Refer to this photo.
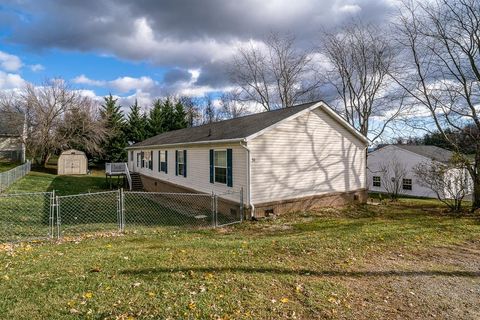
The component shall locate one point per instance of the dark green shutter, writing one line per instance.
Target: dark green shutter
(211, 166)
(185, 163)
(229, 168)
(166, 161)
(151, 160)
(176, 162)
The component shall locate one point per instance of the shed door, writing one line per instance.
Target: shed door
(72, 166)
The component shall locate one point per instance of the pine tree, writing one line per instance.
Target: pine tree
(155, 119)
(180, 116)
(114, 120)
(136, 125)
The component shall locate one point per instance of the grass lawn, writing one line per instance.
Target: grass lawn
(5, 166)
(363, 262)
(38, 181)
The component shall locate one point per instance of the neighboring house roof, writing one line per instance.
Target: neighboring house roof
(11, 123)
(430, 152)
(237, 128)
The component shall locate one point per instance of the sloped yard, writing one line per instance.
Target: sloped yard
(378, 262)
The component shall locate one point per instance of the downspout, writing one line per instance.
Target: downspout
(249, 173)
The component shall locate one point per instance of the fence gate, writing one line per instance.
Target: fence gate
(88, 213)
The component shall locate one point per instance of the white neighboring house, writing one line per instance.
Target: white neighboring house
(12, 136)
(284, 160)
(406, 157)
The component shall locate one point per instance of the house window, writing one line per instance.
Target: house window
(143, 159)
(150, 161)
(162, 167)
(376, 181)
(139, 160)
(220, 166)
(407, 184)
(131, 155)
(180, 163)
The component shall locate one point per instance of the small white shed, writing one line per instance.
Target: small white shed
(72, 162)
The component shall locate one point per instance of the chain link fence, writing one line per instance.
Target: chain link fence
(26, 216)
(30, 216)
(7, 178)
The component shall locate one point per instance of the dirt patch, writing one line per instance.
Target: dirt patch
(438, 283)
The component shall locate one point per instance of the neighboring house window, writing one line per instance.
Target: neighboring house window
(150, 161)
(181, 163)
(143, 159)
(139, 160)
(220, 166)
(162, 162)
(376, 181)
(131, 155)
(407, 184)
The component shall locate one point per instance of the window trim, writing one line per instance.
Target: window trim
(215, 167)
(161, 153)
(180, 153)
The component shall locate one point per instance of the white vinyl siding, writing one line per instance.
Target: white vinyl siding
(309, 155)
(382, 157)
(198, 169)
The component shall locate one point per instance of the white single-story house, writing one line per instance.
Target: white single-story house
(289, 159)
(404, 157)
(12, 136)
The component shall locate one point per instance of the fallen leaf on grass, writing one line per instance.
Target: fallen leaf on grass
(284, 300)
(88, 295)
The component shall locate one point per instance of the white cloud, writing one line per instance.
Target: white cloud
(11, 81)
(36, 67)
(82, 79)
(121, 84)
(10, 62)
(126, 84)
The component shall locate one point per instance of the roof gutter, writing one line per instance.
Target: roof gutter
(243, 144)
(184, 144)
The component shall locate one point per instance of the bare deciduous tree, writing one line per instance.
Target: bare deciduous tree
(275, 74)
(441, 42)
(82, 128)
(231, 106)
(359, 59)
(392, 174)
(448, 181)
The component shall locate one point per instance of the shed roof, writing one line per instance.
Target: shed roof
(232, 129)
(11, 123)
(431, 152)
(72, 151)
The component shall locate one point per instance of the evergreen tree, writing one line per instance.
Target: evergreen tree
(180, 116)
(155, 119)
(168, 115)
(136, 125)
(115, 142)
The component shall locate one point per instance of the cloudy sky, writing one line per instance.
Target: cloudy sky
(152, 48)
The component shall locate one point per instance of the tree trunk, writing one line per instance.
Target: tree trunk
(476, 182)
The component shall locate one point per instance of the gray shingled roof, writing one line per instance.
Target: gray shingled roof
(11, 123)
(237, 128)
(431, 152)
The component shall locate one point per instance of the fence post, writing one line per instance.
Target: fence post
(122, 211)
(213, 210)
(58, 217)
(241, 205)
(52, 213)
